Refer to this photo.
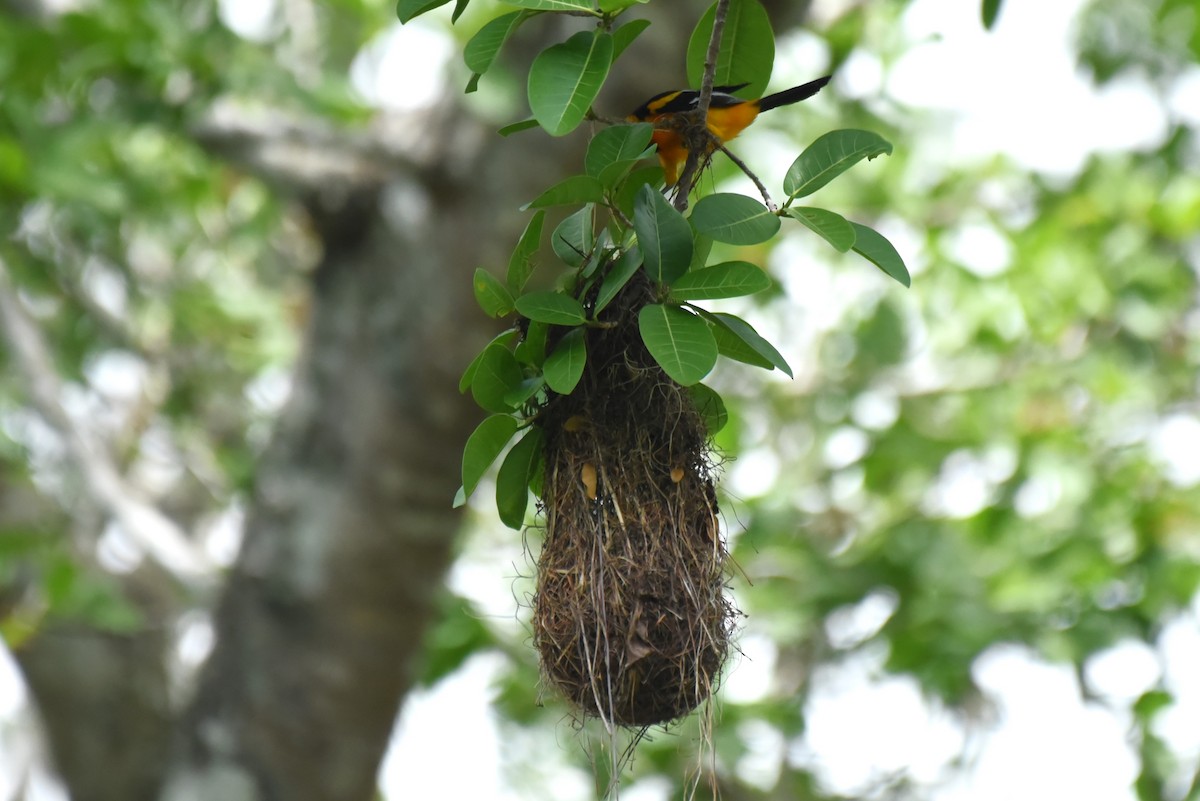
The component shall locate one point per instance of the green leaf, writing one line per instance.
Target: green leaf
(481, 51)
(664, 236)
(830, 156)
(711, 407)
(734, 219)
(874, 247)
(747, 48)
(503, 338)
(493, 297)
(564, 367)
(628, 191)
(551, 307)
(532, 349)
(512, 482)
(459, 7)
(618, 275)
(989, 12)
(728, 280)
(496, 375)
(460, 632)
(701, 248)
(600, 255)
(576, 189)
(565, 79)
(833, 228)
(410, 9)
(731, 346)
(555, 5)
(614, 173)
(524, 391)
(1150, 703)
(517, 127)
(617, 143)
(574, 238)
(611, 6)
(680, 342)
(743, 332)
(483, 446)
(623, 37)
(520, 263)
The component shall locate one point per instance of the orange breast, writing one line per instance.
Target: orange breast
(726, 123)
(671, 154)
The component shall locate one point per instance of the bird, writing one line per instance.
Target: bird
(728, 115)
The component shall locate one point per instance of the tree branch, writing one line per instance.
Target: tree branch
(164, 541)
(302, 155)
(698, 151)
(749, 174)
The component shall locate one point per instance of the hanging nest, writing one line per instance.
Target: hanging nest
(630, 617)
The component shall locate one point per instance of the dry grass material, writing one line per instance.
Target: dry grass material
(630, 617)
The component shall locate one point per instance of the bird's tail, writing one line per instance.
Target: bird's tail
(793, 95)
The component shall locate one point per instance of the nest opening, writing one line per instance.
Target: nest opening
(631, 619)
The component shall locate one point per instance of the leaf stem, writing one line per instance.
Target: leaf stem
(742, 165)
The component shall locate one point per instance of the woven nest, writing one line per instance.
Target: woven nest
(630, 617)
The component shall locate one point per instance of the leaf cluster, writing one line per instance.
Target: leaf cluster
(622, 224)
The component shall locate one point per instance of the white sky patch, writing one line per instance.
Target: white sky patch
(195, 638)
(13, 696)
(980, 248)
(862, 75)
(159, 465)
(494, 573)
(105, 286)
(221, 534)
(1123, 672)
(749, 679)
(854, 624)
(864, 726)
(1016, 89)
(846, 488)
(1179, 645)
(1048, 744)
(1184, 97)
(1038, 495)
(876, 409)
(651, 788)
(403, 68)
(442, 729)
(962, 488)
(117, 552)
(1175, 444)
(763, 761)
(256, 20)
(845, 446)
(753, 473)
(269, 390)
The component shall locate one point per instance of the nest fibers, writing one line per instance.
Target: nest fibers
(630, 618)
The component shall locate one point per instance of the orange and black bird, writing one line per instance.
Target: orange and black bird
(728, 115)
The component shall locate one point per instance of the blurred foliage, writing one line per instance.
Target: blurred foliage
(978, 449)
(168, 286)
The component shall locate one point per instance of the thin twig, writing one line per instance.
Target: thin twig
(684, 187)
(592, 116)
(742, 165)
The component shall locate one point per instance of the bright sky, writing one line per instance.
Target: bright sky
(1013, 90)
